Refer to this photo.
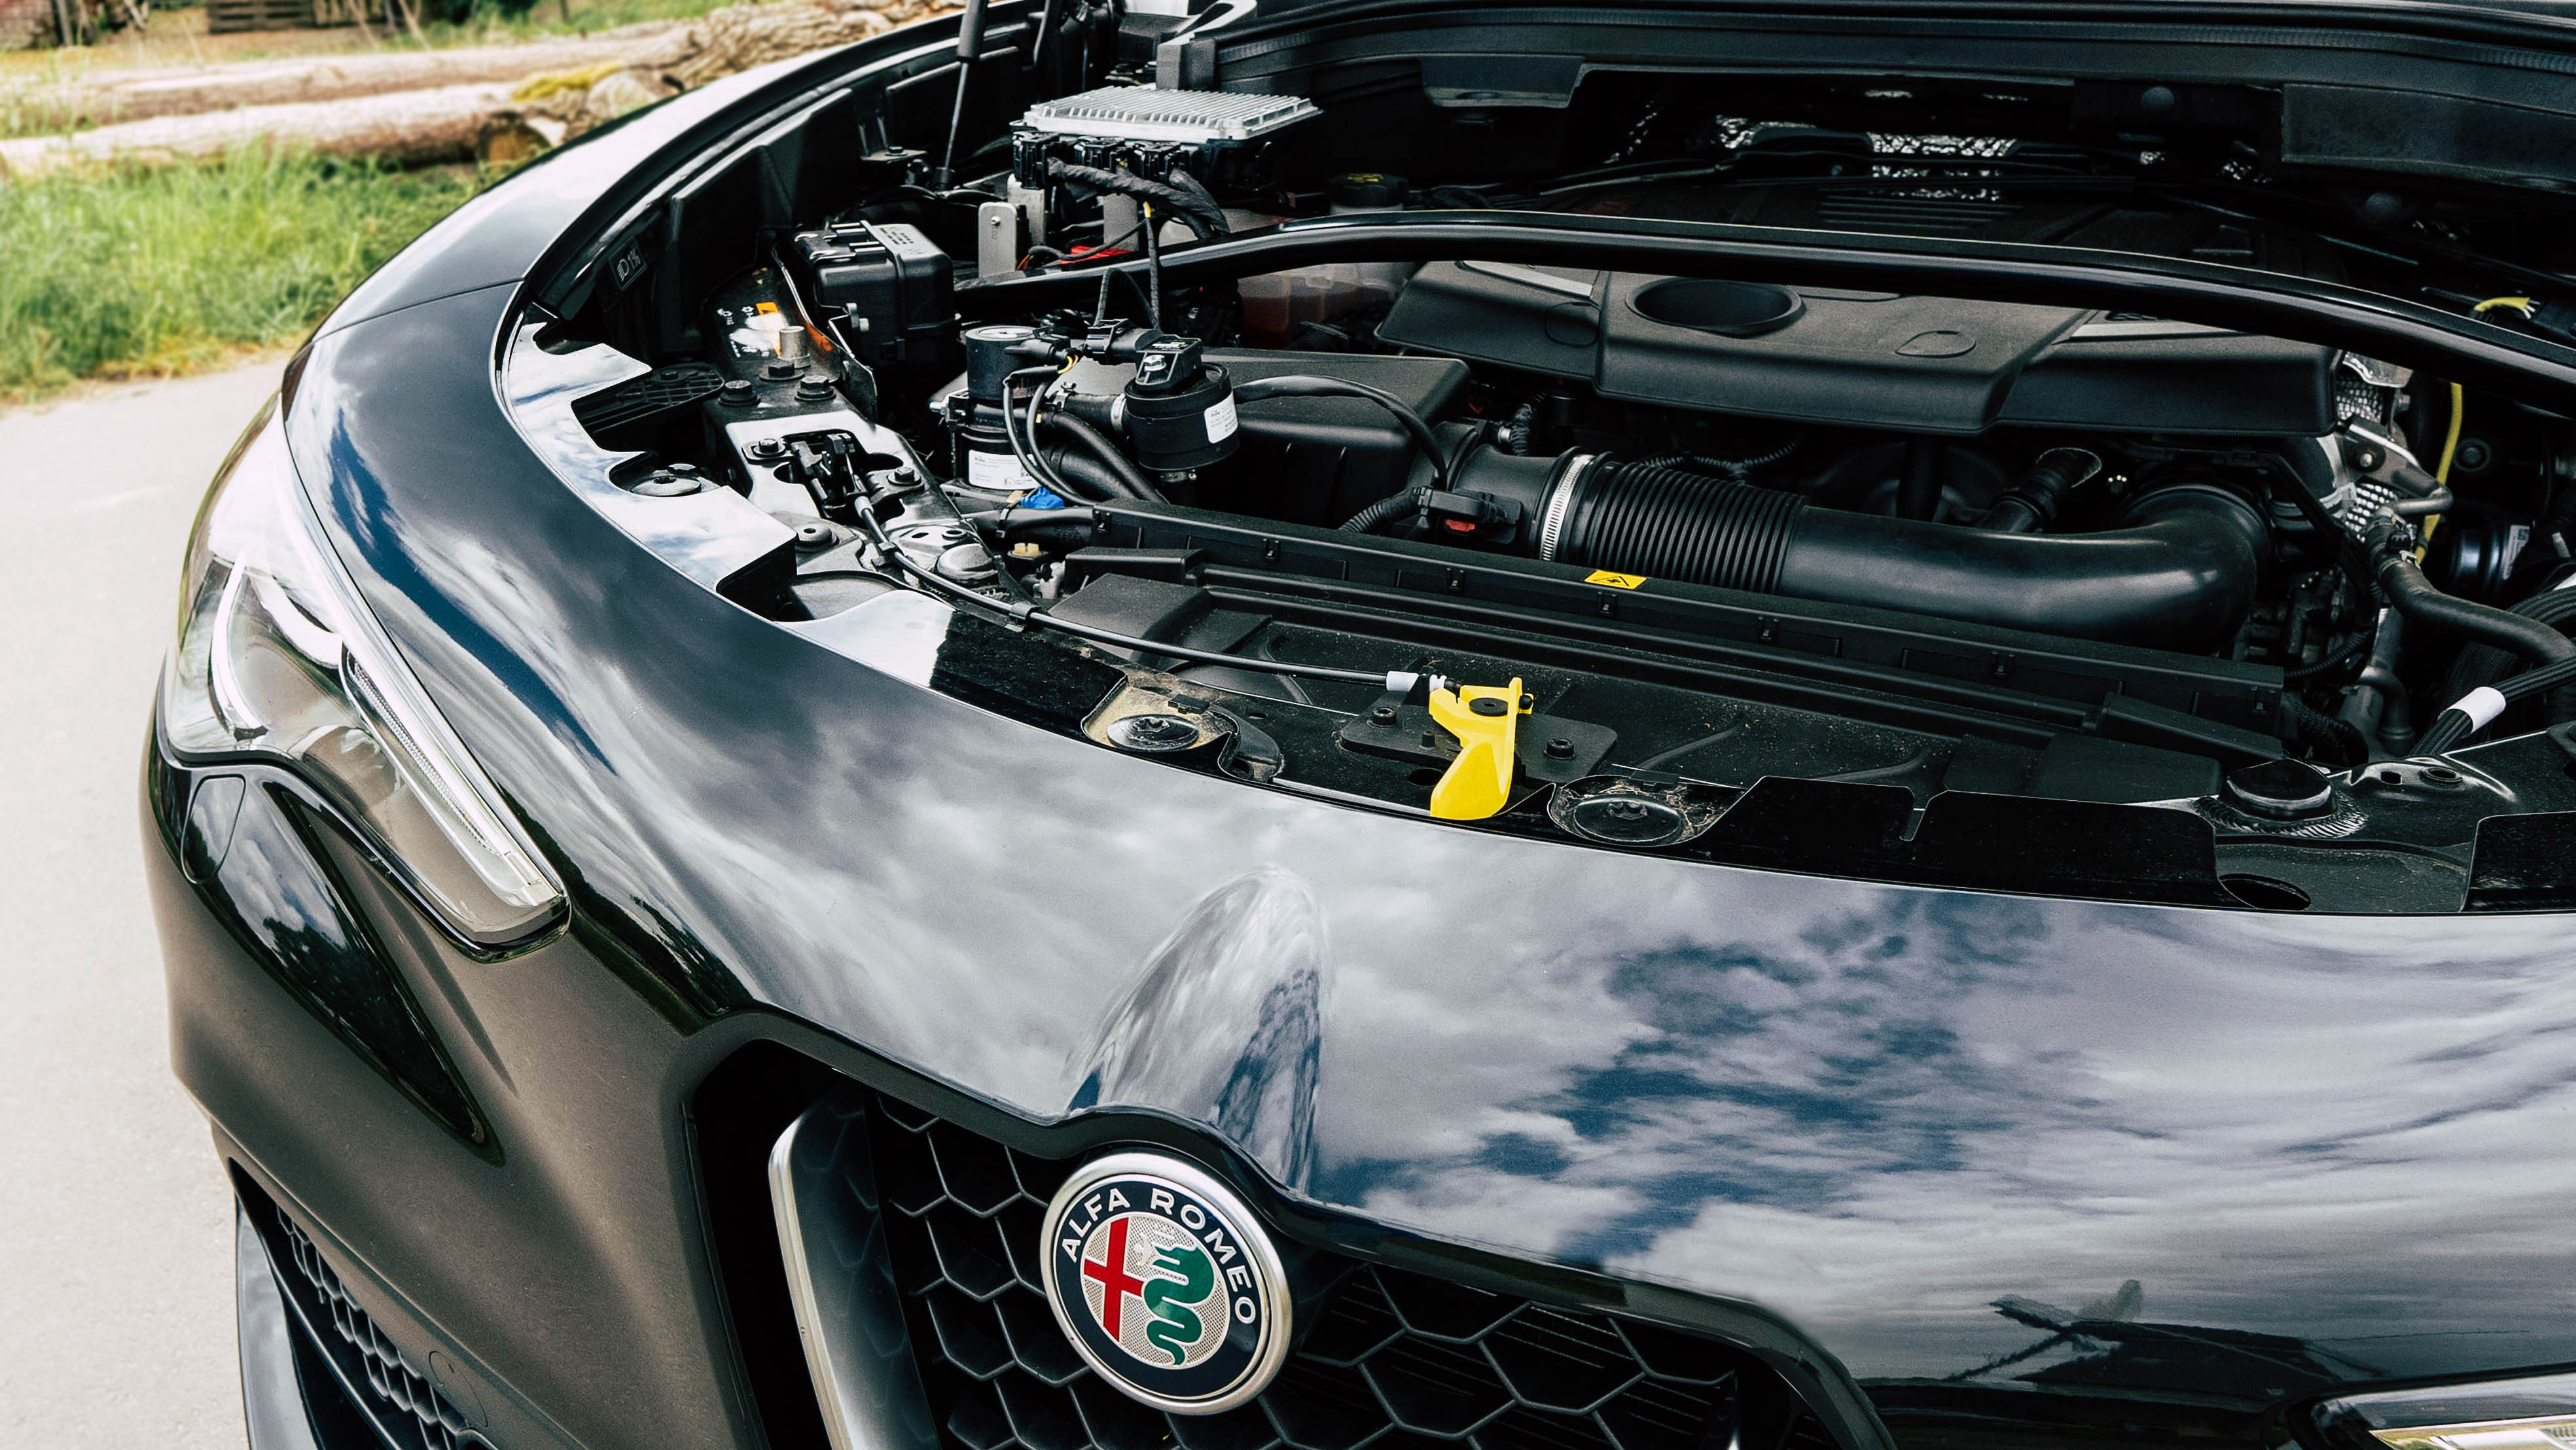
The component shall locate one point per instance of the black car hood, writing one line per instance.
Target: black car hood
(2322, 1147)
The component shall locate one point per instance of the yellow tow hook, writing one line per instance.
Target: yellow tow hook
(1486, 721)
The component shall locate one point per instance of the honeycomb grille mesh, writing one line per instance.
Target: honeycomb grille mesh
(1394, 1360)
(408, 1406)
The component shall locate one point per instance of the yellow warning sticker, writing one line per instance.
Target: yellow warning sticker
(764, 307)
(1615, 581)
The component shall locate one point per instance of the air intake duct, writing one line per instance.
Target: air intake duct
(2179, 573)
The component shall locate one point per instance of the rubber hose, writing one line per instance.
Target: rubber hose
(2181, 575)
(1097, 482)
(2032, 504)
(2415, 597)
(1642, 519)
(2484, 664)
(1131, 480)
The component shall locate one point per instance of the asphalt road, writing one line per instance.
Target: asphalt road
(115, 1223)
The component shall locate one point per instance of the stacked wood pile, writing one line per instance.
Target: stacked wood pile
(26, 22)
(497, 104)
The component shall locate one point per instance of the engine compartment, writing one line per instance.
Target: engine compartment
(2006, 594)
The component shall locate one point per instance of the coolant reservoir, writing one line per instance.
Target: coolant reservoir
(1275, 304)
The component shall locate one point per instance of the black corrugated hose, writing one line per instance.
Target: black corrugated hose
(2325, 738)
(1192, 206)
(1394, 505)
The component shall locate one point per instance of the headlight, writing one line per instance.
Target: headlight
(2533, 1413)
(278, 659)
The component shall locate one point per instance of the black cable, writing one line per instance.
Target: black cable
(1305, 385)
(1153, 270)
(1032, 615)
(1025, 450)
(2456, 724)
(2340, 655)
(2484, 664)
(1394, 505)
(1096, 443)
(2318, 733)
(1199, 213)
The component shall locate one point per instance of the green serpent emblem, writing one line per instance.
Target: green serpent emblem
(1175, 1328)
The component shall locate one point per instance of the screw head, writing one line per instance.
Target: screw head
(737, 394)
(1154, 734)
(1382, 715)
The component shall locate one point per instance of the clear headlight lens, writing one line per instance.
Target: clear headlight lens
(2536, 1412)
(278, 659)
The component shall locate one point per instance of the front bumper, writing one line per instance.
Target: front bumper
(602, 1201)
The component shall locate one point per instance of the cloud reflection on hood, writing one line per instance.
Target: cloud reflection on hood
(1875, 1109)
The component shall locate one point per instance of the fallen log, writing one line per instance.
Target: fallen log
(110, 97)
(485, 121)
(740, 37)
(406, 128)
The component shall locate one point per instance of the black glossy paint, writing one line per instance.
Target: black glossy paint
(2326, 1150)
(1873, 1109)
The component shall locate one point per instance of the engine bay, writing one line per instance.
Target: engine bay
(1996, 593)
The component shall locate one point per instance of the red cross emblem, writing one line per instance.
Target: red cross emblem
(1116, 1284)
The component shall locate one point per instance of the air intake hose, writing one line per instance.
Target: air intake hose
(2180, 573)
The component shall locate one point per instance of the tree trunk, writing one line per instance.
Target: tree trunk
(415, 109)
(408, 128)
(109, 97)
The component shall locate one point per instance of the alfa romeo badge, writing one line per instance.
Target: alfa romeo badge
(1165, 1283)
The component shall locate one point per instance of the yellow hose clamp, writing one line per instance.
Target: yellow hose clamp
(1486, 721)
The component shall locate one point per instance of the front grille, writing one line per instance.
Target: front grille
(408, 1409)
(1393, 1359)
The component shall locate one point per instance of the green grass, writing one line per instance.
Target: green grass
(133, 273)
